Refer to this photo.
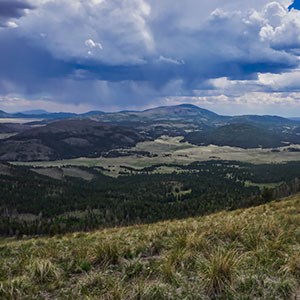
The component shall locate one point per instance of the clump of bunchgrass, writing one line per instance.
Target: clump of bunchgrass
(43, 271)
(169, 271)
(218, 271)
(80, 259)
(132, 268)
(107, 253)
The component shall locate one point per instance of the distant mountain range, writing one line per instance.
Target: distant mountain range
(176, 112)
(68, 135)
(35, 112)
(42, 114)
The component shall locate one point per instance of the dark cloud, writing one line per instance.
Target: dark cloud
(147, 57)
(33, 70)
(12, 9)
(26, 65)
(295, 5)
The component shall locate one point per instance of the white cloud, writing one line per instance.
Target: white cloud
(170, 60)
(281, 28)
(266, 82)
(11, 24)
(91, 44)
(284, 104)
(120, 25)
(289, 81)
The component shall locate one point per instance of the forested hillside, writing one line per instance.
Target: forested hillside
(34, 204)
(67, 139)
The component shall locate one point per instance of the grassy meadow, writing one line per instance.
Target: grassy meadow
(170, 150)
(244, 254)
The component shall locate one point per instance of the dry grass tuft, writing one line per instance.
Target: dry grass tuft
(219, 271)
(43, 271)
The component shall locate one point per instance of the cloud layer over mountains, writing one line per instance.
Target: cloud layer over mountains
(113, 54)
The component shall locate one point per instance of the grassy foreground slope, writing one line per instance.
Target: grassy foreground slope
(244, 254)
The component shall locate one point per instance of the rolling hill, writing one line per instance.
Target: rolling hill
(203, 127)
(3, 114)
(65, 135)
(240, 135)
(182, 112)
(42, 114)
(179, 112)
(178, 115)
(13, 128)
(67, 139)
(245, 254)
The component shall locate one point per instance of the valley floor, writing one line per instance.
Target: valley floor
(244, 254)
(171, 150)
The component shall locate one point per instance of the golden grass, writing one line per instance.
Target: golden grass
(244, 254)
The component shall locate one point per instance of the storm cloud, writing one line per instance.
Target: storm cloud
(115, 54)
(12, 9)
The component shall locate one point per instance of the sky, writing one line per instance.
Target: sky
(232, 57)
